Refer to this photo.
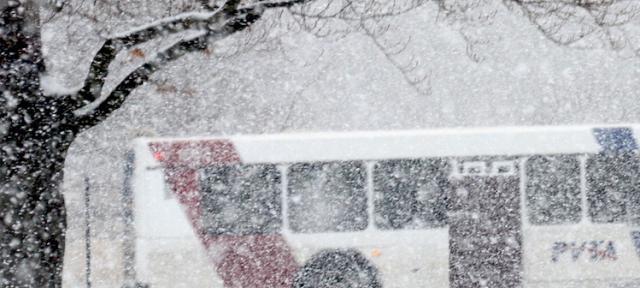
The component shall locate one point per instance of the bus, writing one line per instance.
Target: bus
(483, 207)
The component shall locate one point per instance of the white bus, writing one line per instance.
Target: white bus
(490, 207)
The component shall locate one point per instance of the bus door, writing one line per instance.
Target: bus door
(484, 224)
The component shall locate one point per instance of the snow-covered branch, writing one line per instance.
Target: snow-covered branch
(99, 68)
(139, 77)
(217, 23)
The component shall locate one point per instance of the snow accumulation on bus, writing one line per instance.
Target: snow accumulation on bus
(483, 207)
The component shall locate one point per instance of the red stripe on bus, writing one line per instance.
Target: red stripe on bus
(260, 261)
(195, 154)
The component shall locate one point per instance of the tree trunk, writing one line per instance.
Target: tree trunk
(33, 227)
(34, 137)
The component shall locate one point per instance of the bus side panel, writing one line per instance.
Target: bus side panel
(168, 252)
(589, 253)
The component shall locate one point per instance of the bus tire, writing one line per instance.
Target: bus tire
(337, 269)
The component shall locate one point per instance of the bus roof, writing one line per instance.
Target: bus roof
(375, 145)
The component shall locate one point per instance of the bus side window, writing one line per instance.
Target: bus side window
(327, 197)
(613, 187)
(553, 189)
(410, 194)
(241, 199)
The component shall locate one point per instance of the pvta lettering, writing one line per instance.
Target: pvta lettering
(595, 250)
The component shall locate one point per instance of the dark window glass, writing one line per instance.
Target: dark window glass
(553, 189)
(410, 193)
(326, 197)
(241, 200)
(613, 187)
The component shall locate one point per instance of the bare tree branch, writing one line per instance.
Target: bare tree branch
(567, 22)
(420, 82)
(348, 13)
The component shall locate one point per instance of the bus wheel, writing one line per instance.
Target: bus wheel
(337, 269)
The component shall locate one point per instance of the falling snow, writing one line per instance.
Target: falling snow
(319, 143)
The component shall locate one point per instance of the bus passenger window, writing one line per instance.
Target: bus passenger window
(325, 197)
(241, 199)
(613, 187)
(410, 194)
(553, 189)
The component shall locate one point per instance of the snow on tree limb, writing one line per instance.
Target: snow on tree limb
(139, 77)
(230, 17)
(99, 68)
